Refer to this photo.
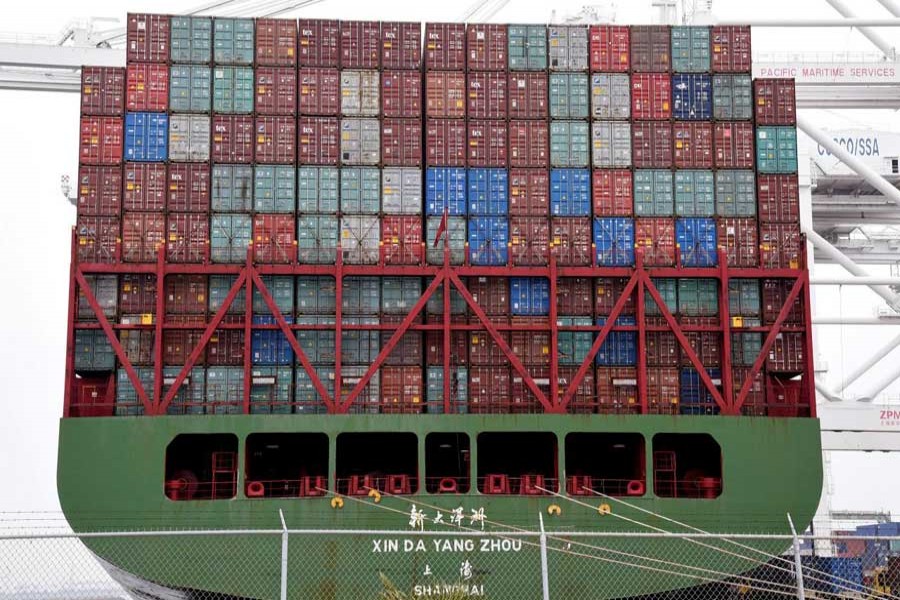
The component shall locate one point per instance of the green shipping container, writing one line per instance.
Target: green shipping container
(317, 239)
(307, 400)
(668, 289)
(745, 347)
(225, 390)
(776, 149)
(190, 88)
(127, 401)
(690, 49)
(317, 344)
(219, 286)
(399, 294)
(735, 194)
(271, 390)
(232, 188)
(732, 97)
(694, 194)
(191, 395)
(360, 190)
(569, 96)
(743, 298)
(435, 305)
(93, 352)
(653, 196)
(233, 90)
(273, 189)
(233, 41)
(527, 47)
(281, 288)
(315, 295)
(190, 39)
(317, 189)
(698, 297)
(573, 346)
(459, 389)
(229, 237)
(570, 144)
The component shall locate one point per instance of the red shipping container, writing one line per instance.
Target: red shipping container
(778, 198)
(609, 48)
(274, 238)
(187, 240)
(147, 38)
(585, 399)
(575, 296)
(434, 348)
(774, 295)
(401, 94)
(650, 48)
(185, 295)
(445, 142)
(651, 95)
(101, 141)
(617, 390)
(276, 91)
(532, 347)
(147, 87)
(527, 92)
(402, 390)
(529, 239)
(486, 95)
(486, 47)
(491, 294)
(655, 239)
(730, 49)
(529, 192)
(445, 93)
(613, 193)
(401, 236)
(98, 239)
(99, 191)
(663, 391)
(401, 45)
(137, 293)
(178, 344)
(320, 92)
(740, 239)
(489, 389)
(608, 290)
(755, 401)
(570, 241)
(780, 245)
(189, 187)
(734, 145)
(707, 345)
(786, 353)
(775, 101)
(408, 350)
(651, 145)
(521, 398)
(232, 139)
(360, 42)
(401, 142)
(318, 43)
(319, 141)
(663, 349)
(226, 346)
(693, 145)
(487, 143)
(483, 350)
(276, 42)
(445, 46)
(276, 140)
(145, 186)
(142, 235)
(529, 144)
(102, 91)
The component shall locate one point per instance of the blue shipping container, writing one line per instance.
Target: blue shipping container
(146, 137)
(695, 398)
(445, 188)
(529, 296)
(570, 192)
(488, 240)
(696, 236)
(614, 240)
(692, 97)
(619, 347)
(488, 192)
(270, 346)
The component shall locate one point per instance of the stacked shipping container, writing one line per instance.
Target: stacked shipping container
(516, 146)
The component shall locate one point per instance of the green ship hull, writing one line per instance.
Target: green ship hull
(111, 477)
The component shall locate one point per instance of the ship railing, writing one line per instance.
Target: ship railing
(222, 488)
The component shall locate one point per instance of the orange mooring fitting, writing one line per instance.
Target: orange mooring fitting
(635, 488)
(255, 489)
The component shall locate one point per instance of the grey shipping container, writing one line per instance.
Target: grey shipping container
(360, 346)
(233, 90)
(127, 401)
(690, 49)
(568, 47)
(232, 188)
(137, 343)
(225, 390)
(93, 352)
(653, 196)
(360, 96)
(189, 138)
(360, 141)
(611, 143)
(219, 286)
(362, 296)
(306, 398)
(735, 193)
(233, 41)
(273, 189)
(401, 191)
(399, 294)
(281, 288)
(454, 232)
(527, 47)
(230, 234)
(610, 96)
(569, 144)
(732, 97)
(360, 190)
(317, 238)
(105, 289)
(191, 395)
(694, 196)
(744, 298)
(459, 390)
(569, 96)
(190, 88)
(315, 295)
(317, 189)
(190, 39)
(271, 390)
(435, 305)
(317, 344)
(368, 399)
(360, 239)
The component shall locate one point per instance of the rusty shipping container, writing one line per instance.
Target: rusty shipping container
(575, 296)
(445, 93)
(787, 353)
(487, 143)
(730, 49)
(528, 92)
(529, 240)
(402, 390)
(401, 142)
(276, 42)
(486, 95)
(779, 198)
(318, 140)
(145, 187)
(318, 43)
(319, 91)
(650, 48)
(102, 91)
(617, 390)
(607, 292)
(489, 389)
(529, 192)
(609, 48)
(187, 237)
(99, 191)
(571, 240)
(445, 46)
(651, 145)
(693, 145)
(360, 44)
(663, 391)
(100, 141)
(147, 38)
(142, 235)
(232, 139)
(188, 188)
(774, 296)
(775, 102)
(276, 140)
(529, 144)
(486, 47)
(276, 91)
(740, 240)
(733, 142)
(401, 94)
(97, 239)
(445, 142)
(655, 238)
(401, 237)
(613, 193)
(274, 239)
(780, 245)
(651, 95)
(401, 45)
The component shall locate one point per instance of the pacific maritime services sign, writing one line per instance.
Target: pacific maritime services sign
(842, 72)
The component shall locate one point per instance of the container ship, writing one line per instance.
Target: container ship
(331, 268)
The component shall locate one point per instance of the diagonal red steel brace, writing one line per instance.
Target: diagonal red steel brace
(598, 341)
(770, 339)
(114, 341)
(293, 341)
(392, 342)
(201, 345)
(527, 379)
(724, 407)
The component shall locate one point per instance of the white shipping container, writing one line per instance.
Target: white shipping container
(610, 96)
(360, 95)
(360, 141)
(189, 138)
(611, 142)
(401, 191)
(360, 239)
(568, 47)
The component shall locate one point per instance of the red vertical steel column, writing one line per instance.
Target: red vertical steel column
(809, 361)
(554, 339)
(725, 322)
(70, 329)
(160, 324)
(447, 330)
(248, 330)
(642, 334)
(338, 317)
